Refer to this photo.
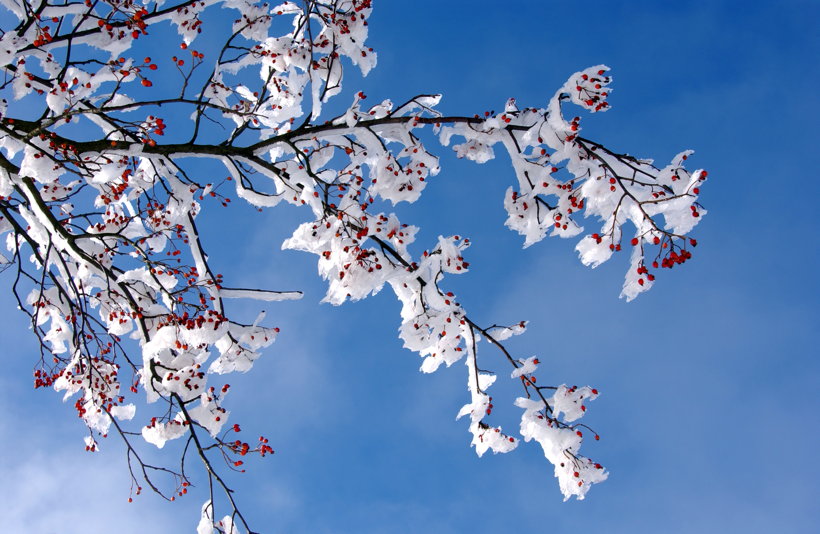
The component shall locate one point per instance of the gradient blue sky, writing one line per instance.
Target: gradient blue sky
(708, 382)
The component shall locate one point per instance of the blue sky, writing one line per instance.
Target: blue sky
(709, 381)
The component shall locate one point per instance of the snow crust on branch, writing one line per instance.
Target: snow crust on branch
(104, 233)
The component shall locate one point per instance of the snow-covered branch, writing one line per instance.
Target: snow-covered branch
(99, 214)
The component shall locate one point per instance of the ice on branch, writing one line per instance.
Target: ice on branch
(485, 437)
(40, 166)
(561, 176)
(109, 157)
(11, 44)
(474, 150)
(501, 333)
(575, 473)
(209, 413)
(158, 433)
(527, 367)
(187, 21)
(259, 294)
(353, 271)
(570, 401)
(432, 319)
(91, 444)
